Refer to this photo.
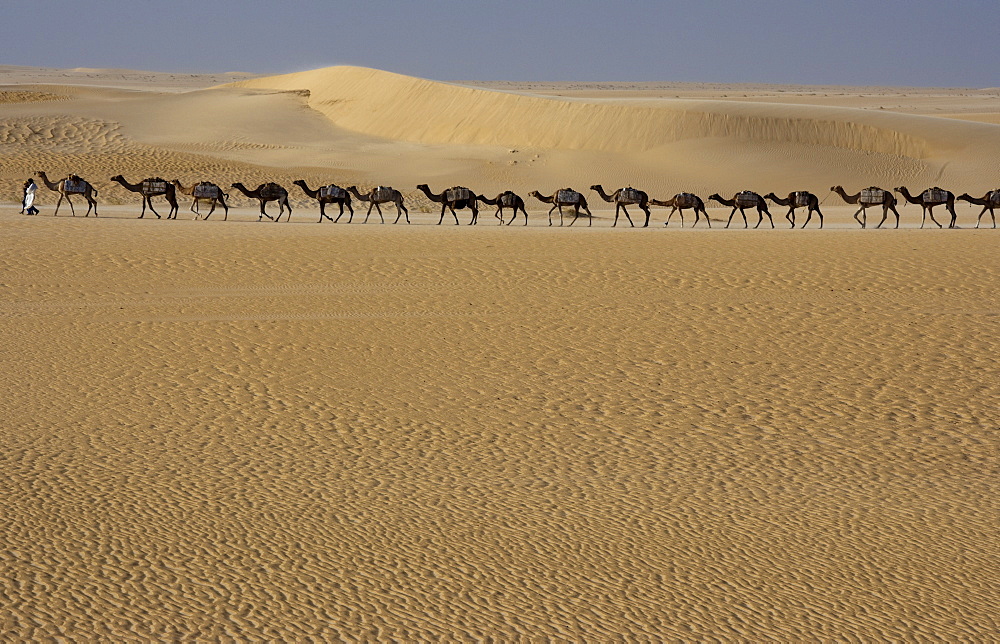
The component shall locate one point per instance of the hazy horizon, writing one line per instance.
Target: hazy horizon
(846, 42)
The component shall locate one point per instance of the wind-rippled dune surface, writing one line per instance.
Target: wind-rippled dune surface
(230, 430)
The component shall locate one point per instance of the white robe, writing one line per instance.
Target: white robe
(29, 195)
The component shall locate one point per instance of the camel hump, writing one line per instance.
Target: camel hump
(568, 195)
(271, 190)
(629, 195)
(74, 185)
(872, 195)
(207, 190)
(458, 193)
(382, 193)
(154, 186)
(747, 198)
(332, 191)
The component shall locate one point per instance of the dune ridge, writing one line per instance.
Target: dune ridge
(412, 109)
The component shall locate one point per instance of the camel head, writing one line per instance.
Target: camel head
(715, 196)
(299, 182)
(596, 186)
(837, 189)
(423, 186)
(117, 177)
(236, 185)
(771, 196)
(534, 193)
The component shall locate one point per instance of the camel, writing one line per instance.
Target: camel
(798, 200)
(989, 201)
(743, 200)
(380, 195)
(455, 197)
(71, 185)
(506, 200)
(679, 202)
(565, 197)
(328, 194)
(204, 191)
(268, 192)
(866, 199)
(149, 188)
(621, 198)
(928, 199)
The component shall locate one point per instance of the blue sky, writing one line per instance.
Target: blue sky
(847, 42)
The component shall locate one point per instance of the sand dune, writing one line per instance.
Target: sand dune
(232, 430)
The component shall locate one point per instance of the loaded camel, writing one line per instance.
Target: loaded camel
(801, 199)
(456, 197)
(503, 200)
(866, 199)
(928, 199)
(268, 192)
(743, 200)
(204, 191)
(623, 197)
(679, 202)
(380, 195)
(149, 188)
(989, 201)
(328, 194)
(565, 197)
(71, 185)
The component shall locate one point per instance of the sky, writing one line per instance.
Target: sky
(919, 43)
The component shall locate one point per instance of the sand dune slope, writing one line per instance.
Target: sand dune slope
(411, 109)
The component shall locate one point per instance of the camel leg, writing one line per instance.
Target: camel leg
(673, 209)
(210, 210)
(954, 216)
(197, 215)
(341, 204)
(930, 211)
(400, 205)
(590, 215)
(790, 216)
(475, 214)
(730, 217)
(857, 219)
(895, 212)
(322, 212)
(350, 209)
(444, 207)
(761, 218)
(704, 212)
(91, 203)
(225, 207)
(576, 214)
(378, 207)
(526, 215)
(646, 210)
(58, 203)
(149, 200)
(70, 202)
(624, 210)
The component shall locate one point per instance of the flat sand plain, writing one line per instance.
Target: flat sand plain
(256, 431)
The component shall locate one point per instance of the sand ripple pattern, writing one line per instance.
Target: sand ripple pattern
(299, 432)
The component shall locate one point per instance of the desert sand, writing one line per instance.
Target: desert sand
(232, 429)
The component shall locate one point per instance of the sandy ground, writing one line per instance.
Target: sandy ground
(233, 429)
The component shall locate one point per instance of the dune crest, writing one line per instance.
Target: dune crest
(412, 109)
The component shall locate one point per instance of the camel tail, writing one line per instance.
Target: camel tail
(94, 190)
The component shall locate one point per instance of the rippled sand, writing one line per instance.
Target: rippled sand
(261, 431)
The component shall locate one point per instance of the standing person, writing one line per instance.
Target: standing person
(28, 203)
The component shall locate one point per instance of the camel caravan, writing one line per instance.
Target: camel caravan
(456, 198)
